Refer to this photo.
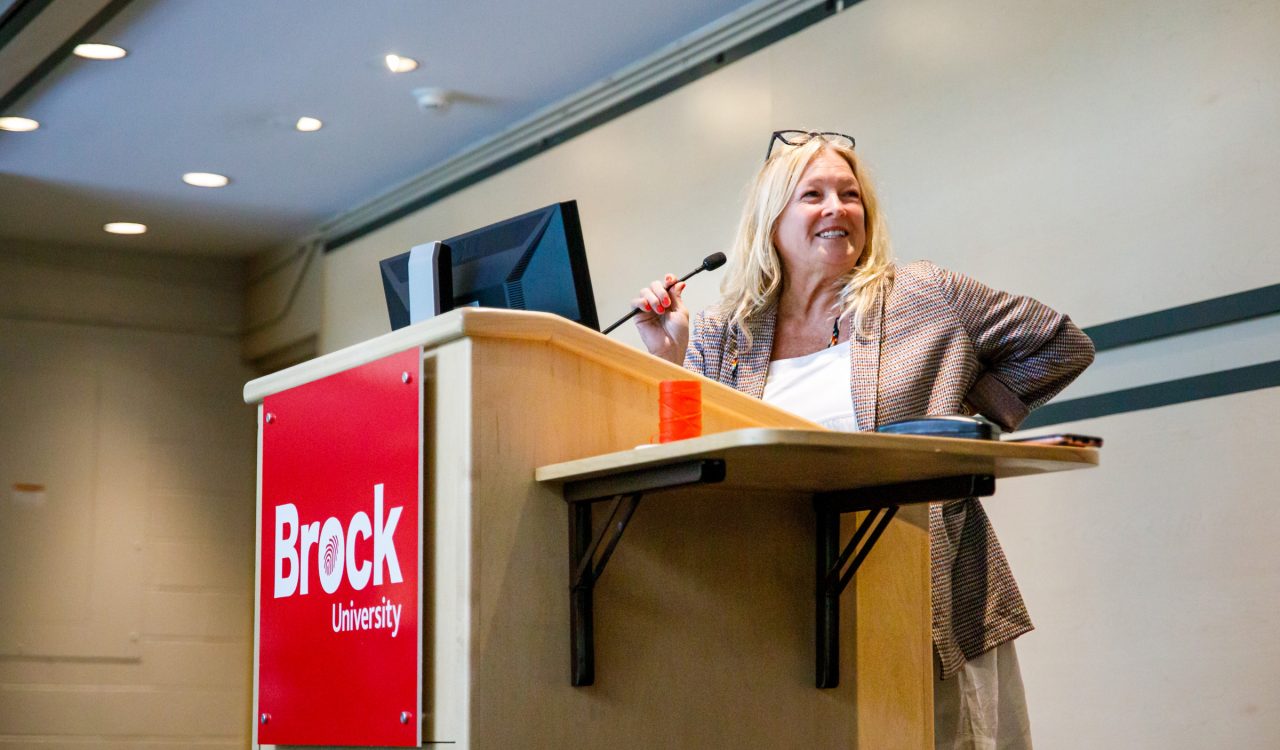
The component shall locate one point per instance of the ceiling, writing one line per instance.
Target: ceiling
(216, 86)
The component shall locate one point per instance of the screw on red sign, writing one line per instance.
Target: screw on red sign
(340, 578)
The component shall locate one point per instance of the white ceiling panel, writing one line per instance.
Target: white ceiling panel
(216, 86)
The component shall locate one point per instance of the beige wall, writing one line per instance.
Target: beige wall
(1154, 581)
(126, 502)
(282, 307)
(1111, 159)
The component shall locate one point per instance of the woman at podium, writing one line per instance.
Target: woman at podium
(815, 317)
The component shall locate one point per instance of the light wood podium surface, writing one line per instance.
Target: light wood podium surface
(826, 461)
(705, 616)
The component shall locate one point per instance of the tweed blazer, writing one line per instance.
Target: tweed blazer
(940, 343)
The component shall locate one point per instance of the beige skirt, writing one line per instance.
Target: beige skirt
(982, 706)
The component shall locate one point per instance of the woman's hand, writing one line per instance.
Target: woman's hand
(663, 320)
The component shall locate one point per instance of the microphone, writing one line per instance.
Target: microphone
(709, 263)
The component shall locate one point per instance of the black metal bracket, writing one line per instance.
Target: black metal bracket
(835, 566)
(587, 559)
(651, 479)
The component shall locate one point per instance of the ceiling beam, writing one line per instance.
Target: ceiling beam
(44, 35)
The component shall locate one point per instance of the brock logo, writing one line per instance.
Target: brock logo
(338, 553)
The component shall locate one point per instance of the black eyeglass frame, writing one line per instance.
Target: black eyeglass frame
(782, 135)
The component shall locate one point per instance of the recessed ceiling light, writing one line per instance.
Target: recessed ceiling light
(205, 179)
(18, 124)
(398, 64)
(308, 124)
(125, 227)
(99, 51)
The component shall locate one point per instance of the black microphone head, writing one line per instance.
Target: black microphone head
(713, 261)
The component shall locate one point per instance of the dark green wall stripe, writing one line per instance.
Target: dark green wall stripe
(18, 16)
(639, 99)
(1230, 308)
(1182, 390)
(55, 58)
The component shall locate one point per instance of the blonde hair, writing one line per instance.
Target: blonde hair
(754, 281)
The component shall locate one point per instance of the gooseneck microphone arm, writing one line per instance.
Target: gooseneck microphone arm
(709, 263)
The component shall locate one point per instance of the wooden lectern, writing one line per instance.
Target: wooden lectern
(705, 629)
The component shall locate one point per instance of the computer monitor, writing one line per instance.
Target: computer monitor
(417, 283)
(535, 261)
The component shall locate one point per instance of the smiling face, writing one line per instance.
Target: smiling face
(823, 226)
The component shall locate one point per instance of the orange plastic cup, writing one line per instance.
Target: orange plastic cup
(679, 410)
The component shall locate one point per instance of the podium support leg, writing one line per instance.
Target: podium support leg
(827, 616)
(581, 622)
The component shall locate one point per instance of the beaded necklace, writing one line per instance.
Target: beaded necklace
(835, 337)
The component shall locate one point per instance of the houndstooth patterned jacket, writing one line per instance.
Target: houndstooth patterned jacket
(942, 343)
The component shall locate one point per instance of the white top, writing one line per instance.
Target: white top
(815, 386)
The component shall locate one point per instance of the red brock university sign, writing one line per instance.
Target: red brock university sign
(340, 566)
